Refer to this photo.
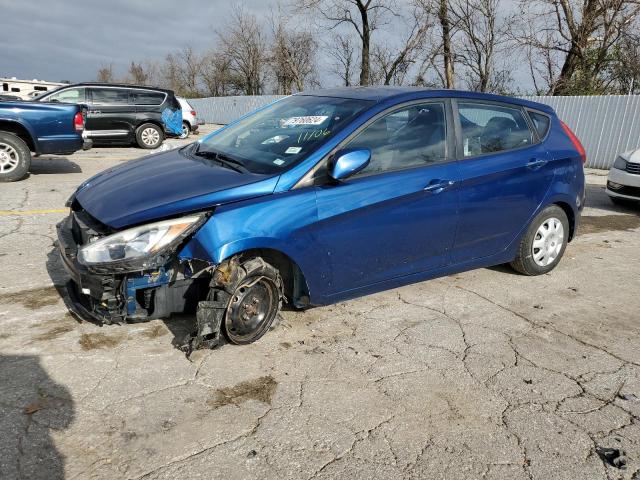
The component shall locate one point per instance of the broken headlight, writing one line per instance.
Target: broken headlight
(139, 242)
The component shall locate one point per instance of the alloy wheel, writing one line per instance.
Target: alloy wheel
(150, 136)
(9, 158)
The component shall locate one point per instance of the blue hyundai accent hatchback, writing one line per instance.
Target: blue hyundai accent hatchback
(322, 197)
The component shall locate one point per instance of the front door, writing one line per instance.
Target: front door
(505, 175)
(398, 216)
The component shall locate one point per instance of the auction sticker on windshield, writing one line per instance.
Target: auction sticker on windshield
(307, 120)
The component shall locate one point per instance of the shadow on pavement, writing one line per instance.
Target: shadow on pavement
(53, 165)
(32, 406)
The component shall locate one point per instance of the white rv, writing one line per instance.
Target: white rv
(26, 89)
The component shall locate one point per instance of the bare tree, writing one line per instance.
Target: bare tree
(578, 36)
(105, 74)
(216, 75)
(292, 56)
(137, 74)
(440, 10)
(392, 65)
(182, 72)
(340, 48)
(363, 16)
(243, 45)
(482, 37)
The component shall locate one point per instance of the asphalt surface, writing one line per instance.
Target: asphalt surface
(486, 374)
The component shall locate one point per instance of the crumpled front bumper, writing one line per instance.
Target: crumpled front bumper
(116, 296)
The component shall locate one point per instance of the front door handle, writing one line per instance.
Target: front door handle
(438, 186)
(535, 163)
(94, 111)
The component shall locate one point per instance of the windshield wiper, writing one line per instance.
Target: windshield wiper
(222, 159)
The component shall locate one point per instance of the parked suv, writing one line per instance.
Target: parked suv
(123, 113)
(190, 121)
(323, 197)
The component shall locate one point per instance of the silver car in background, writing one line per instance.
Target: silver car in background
(190, 120)
(623, 184)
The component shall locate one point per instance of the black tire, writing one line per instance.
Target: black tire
(525, 262)
(15, 158)
(186, 130)
(149, 136)
(253, 292)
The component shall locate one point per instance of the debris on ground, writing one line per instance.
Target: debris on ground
(612, 456)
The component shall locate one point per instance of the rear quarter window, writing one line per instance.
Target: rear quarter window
(540, 122)
(148, 98)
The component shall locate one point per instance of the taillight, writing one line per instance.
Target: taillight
(576, 143)
(78, 122)
(193, 112)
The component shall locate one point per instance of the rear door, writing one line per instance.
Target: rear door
(505, 173)
(398, 216)
(149, 105)
(110, 114)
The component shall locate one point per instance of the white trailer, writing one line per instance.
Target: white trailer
(26, 89)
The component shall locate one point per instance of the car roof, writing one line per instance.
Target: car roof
(383, 93)
(119, 85)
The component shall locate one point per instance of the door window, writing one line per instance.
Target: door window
(410, 137)
(492, 128)
(70, 95)
(110, 96)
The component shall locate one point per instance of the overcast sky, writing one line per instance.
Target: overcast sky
(70, 39)
(59, 40)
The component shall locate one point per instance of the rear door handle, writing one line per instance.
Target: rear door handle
(535, 163)
(438, 186)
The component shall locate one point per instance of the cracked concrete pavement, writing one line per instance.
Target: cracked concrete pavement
(486, 374)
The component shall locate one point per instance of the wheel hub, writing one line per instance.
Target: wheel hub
(8, 158)
(252, 308)
(548, 242)
(150, 136)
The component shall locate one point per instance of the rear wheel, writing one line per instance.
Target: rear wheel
(186, 130)
(543, 245)
(15, 158)
(149, 136)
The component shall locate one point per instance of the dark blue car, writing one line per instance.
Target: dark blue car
(323, 197)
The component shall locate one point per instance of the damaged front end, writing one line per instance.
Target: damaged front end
(134, 274)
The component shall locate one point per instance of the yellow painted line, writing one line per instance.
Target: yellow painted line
(8, 213)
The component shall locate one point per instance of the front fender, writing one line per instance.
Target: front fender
(285, 222)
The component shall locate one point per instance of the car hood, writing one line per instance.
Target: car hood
(165, 184)
(632, 156)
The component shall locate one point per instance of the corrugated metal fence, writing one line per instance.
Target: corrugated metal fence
(225, 110)
(606, 125)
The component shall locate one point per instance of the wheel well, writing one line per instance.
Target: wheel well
(153, 122)
(19, 131)
(570, 216)
(296, 289)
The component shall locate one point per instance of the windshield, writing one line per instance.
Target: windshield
(283, 134)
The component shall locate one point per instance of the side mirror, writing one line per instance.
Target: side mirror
(349, 162)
